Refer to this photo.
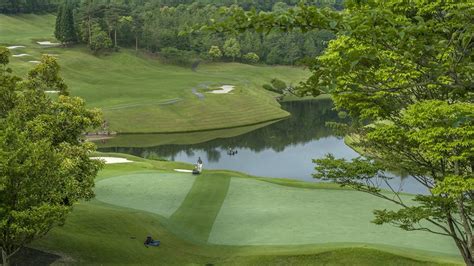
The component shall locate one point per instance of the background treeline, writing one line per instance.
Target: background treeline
(41, 6)
(28, 6)
(155, 26)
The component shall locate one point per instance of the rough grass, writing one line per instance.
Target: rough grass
(138, 94)
(102, 233)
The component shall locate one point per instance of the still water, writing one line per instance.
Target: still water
(283, 149)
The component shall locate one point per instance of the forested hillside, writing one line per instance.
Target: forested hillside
(28, 6)
(155, 26)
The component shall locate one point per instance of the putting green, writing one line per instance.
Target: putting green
(155, 192)
(261, 213)
(218, 209)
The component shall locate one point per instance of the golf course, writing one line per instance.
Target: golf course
(224, 217)
(158, 97)
(280, 178)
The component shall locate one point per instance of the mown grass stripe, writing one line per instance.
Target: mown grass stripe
(195, 217)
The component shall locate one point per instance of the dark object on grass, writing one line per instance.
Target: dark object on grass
(149, 242)
(196, 172)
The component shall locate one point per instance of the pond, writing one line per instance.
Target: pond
(283, 149)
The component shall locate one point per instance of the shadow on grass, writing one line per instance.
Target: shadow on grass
(29, 256)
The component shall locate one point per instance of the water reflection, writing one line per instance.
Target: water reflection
(283, 149)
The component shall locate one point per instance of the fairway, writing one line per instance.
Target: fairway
(137, 87)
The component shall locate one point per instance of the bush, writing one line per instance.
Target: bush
(175, 56)
(215, 53)
(251, 58)
(278, 85)
(100, 41)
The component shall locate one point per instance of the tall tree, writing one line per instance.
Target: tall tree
(406, 68)
(112, 17)
(44, 163)
(59, 26)
(232, 48)
(65, 30)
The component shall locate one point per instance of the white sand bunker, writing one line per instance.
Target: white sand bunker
(48, 43)
(183, 170)
(223, 89)
(20, 55)
(112, 160)
(51, 91)
(15, 47)
(34, 62)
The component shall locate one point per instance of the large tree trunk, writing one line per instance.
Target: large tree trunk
(115, 38)
(136, 43)
(4, 257)
(465, 251)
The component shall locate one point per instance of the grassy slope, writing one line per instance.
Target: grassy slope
(152, 140)
(139, 94)
(101, 233)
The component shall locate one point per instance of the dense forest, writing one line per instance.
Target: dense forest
(155, 27)
(28, 6)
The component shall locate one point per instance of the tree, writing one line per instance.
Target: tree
(215, 53)
(232, 48)
(406, 68)
(251, 58)
(88, 12)
(59, 26)
(44, 163)
(135, 24)
(112, 17)
(100, 39)
(65, 30)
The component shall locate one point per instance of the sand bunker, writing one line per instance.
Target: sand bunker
(34, 62)
(223, 89)
(48, 43)
(112, 160)
(51, 91)
(183, 170)
(15, 47)
(20, 55)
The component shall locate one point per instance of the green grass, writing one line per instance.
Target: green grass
(138, 94)
(152, 140)
(222, 216)
(261, 213)
(205, 199)
(142, 190)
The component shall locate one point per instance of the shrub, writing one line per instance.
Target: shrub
(215, 53)
(175, 56)
(251, 58)
(278, 85)
(100, 40)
